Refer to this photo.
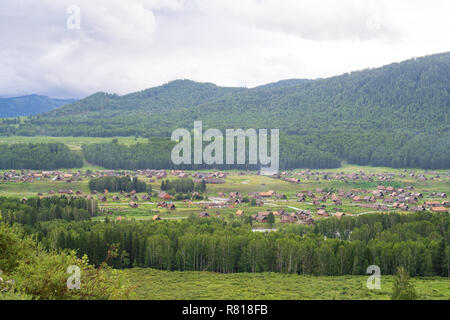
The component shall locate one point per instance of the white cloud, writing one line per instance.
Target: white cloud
(129, 45)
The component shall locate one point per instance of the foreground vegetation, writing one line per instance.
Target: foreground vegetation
(30, 272)
(189, 285)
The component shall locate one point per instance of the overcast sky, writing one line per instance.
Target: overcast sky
(129, 45)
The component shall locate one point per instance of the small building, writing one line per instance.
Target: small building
(430, 204)
(339, 214)
(171, 206)
(133, 204)
(164, 195)
(267, 194)
(288, 219)
(439, 209)
(262, 216)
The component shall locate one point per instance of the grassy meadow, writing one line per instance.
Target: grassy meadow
(189, 285)
(235, 182)
(74, 143)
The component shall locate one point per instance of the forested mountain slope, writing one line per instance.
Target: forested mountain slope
(396, 115)
(412, 95)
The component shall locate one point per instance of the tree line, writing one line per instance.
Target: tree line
(38, 156)
(418, 242)
(28, 212)
(156, 154)
(184, 185)
(117, 184)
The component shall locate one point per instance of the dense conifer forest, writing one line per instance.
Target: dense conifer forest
(116, 184)
(346, 246)
(38, 156)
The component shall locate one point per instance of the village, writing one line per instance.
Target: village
(290, 197)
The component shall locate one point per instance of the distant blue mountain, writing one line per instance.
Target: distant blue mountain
(29, 105)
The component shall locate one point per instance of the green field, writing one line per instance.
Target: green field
(160, 285)
(243, 184)
(73, 143)
(234, 183)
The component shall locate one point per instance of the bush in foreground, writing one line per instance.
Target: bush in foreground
(34, 273)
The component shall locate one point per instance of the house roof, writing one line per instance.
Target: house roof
(439, 209)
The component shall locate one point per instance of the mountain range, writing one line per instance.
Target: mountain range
(29, 105)
(411, 95)
(395, 115)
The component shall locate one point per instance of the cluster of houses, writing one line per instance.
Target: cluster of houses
(260, 196)
(382, 198)
(63, 191)
(437, 206)
(31, 176)
(131, 195)
(379, 199)
(235, 198)
(299, 217)
(295, 177)
(215, 177)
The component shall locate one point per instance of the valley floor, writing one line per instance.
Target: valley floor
(154, 284)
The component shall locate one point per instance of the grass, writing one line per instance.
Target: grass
(26, 189)
(234, 182)
(74, 143)
(190, 285)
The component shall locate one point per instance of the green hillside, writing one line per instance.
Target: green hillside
(396, 115)
(412, 95)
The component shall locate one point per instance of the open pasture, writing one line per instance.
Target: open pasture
(189, 285)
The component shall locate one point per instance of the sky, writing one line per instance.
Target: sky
(71, 49)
